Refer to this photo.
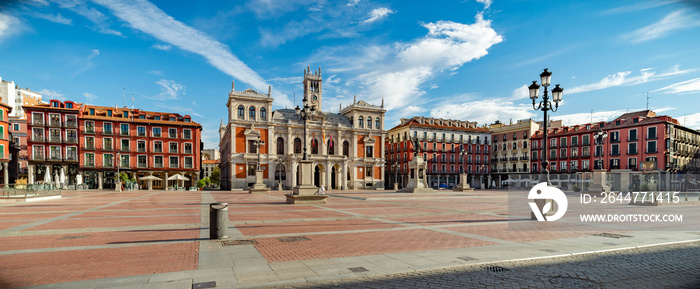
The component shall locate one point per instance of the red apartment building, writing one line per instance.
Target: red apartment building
(52, 144)
(5, 142)
(98, 141)
(441, 141)
(18, 130)
(658, 142)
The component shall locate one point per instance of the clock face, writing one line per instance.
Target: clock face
(315, 97)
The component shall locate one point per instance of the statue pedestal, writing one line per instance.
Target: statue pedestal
(417, 184)
(396, 186)
(463, 185)
(599, 182)
(118, 186)
(259, 187)
(304, 192)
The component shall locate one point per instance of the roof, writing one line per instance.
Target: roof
(329, 118)
(647, 117)
(210, 162)
(117, 115)
(415, 123)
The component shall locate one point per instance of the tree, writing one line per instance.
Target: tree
(215, 176)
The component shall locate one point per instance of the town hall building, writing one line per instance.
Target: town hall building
(346, 148)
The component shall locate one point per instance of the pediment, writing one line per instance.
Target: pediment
(369, 140)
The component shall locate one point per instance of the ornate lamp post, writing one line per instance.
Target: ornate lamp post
(118, 183)
(258, 143)
(396, 167)
(305, 114)
(599, 138)
(462, 153)
(545, 105)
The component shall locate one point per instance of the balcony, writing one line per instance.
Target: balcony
(552, 158)
(89, 131)
(125, 149)
(55, 158)
(585, 156)
(552, 146)
(124, 133)
(89, 164)
(37, 138)
(107, 132)
(55, 139)
(37, 157)
(574, 156)
(563, 145)
(89, 147)
(107, 148)
(524, 158)
(494, 160)
(54, 123)
(71, 159)
(38, 122)
(71, 124)
(574, 144)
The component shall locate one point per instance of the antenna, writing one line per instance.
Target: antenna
(591, 116)
(647, 99)
(124, 97)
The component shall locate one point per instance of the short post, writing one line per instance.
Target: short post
(218, 220)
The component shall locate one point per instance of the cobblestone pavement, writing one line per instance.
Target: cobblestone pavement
(667, 266)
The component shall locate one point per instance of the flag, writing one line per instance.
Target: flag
(313, 138)
(331, 140)
(324, 136)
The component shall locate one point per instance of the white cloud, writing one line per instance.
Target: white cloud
(688, 86)
(87, 64)
(412, 110)
(353, 3)
(56, 18)
(520, 93)
(482, 111)
(146, 17)
(487, 3)
(163, 47)
(8, 25)
(447, 46)
(691, 121)
(378, 14)
(100, 21)
(624, 79)
(169, 90)
(636, 7)
(676, 20)
(51, 94)
(156, 72)
(89, 97)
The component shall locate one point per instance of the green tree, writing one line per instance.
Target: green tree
(215, 176)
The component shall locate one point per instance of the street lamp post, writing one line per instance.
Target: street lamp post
(305, 114)
(396, 167)
(117, 185)
(462, 153)
(545, 105)
(599, 138)
(258, 143)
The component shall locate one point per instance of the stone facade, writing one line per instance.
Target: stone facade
(345, 148)
(511, 150)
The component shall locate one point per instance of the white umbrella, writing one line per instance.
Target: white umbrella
(79, 179)
(178, 177)
(55, 178)
(150, 180)
(47, 177)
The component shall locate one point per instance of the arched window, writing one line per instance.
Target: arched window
(297, 146)
(280, 174)
(314, 146)
(346, 149)
(241, 112)
(369, 122)
(263, 113)
(360, 122)
(251, 112)
(331, 147)
(280, 146)
(376, 123)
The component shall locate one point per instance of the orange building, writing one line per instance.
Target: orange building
(5, 141)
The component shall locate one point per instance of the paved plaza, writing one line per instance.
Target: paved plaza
(360, 239)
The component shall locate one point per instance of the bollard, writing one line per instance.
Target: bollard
(218, 221)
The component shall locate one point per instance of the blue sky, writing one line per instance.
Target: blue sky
(468, 60)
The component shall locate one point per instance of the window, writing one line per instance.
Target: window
(297, 146)
(90, 127)
(188, 148)
(615, 164)
(173, 148)
(141, 131)
(632, 148)
(172, 118)
(585, 164)
(107, 128)
(89, 143)
(15, 127)
(69, 105)
(632, 135)
(251, 112)
(141, 146)
(55, 153)
(615, 136)
(157, 146)
(157, 117)
(263, 113)
(251, 169)
(158, 161)
(346, 148)
(562, 141)
(156, 132)
(107, 144)
(314, 146)
(280, 146)
(172, 132)
(562, 153)
(92, 111)
(124, 161)
(585, 140)
(574, 140)
(553, 143)
(54, 134)
(360, 122)
(126, 114)
(109, 113)
(330, 147)
(651, 132)
(72, 121)
(651, 147)
(369, 151)
(125, 145)
(632, 163)
(124, 129)
(142, 116)
(188, 162)
(174, 162)
(187, 133)
(241, 112)
(90, 160)
(369, 122)
(376, 123)
(574, 152)
(141, 161)
(108, 160)
(615, 150)
(37, 118)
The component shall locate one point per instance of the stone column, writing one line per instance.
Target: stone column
(5, 174)
(344, 177)
(328, 176)
(30, 174)
(99, 180)
(166, 180)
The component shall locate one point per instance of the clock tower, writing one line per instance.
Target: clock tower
(312, 88)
